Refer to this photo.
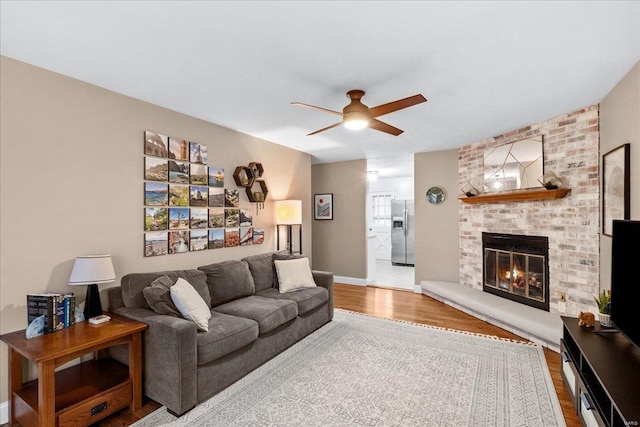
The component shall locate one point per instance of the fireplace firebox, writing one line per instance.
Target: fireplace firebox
(516, 267)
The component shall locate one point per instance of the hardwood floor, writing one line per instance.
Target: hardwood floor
(400, 305)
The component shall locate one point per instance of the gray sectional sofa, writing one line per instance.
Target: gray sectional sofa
(251, 322)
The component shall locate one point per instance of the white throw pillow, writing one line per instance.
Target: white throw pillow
(294, 274)
(190, 304)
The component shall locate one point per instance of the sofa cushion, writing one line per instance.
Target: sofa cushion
(228, 280)
(226, 334)
(133, 284)
(190, 304)
(158, 296)
(282, 255)
(261, 267)
(268, 312)
(294, 274)
(307, 299)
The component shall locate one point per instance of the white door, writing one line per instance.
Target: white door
(381, 223)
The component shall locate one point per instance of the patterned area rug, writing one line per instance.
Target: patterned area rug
(362, 370)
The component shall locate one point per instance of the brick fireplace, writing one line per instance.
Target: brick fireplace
(571, 224)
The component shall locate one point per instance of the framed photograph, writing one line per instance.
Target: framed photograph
(178, 149)
(216, 217)
(178, 195)
(178, 172)
(246, 217)
(216, 176)
(323, 206)
(179, 218)
(155, 194)
(178, 242)
(155, 243)
(246, 236)
(231, 217)
(615, 187)
(199, 240)
(258, 236)
(198, 175)
(216, 238)
(197, 153)
(199, 217)
(155, 144)
(231, 198)
(216, 197)
(156, 169)
(155, 219)
(231, 237)
(198, 196)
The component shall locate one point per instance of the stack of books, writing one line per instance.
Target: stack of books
(58, 309)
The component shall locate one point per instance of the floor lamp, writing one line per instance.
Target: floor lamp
(289, 213)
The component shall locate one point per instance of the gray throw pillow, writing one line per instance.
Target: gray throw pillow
(158, 296)
(228, 281)
(261, 267)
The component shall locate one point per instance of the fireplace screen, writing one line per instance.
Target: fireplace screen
(518, 273)
(516, 268)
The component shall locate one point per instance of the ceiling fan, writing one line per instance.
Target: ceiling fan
(356, 115)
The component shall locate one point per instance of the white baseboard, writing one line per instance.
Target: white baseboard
(4, 412)
(417, 289)
(350, 280)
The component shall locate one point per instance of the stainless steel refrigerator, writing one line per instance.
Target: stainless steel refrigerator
(402, 232)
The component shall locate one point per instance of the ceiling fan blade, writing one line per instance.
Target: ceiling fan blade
(327, 128)
(383, 127)
(317, 108)
(390, 107)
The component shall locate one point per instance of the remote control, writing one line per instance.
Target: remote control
(99, 319)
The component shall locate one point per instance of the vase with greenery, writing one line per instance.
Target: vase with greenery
(604, 308)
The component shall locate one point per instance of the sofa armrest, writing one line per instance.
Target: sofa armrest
(169, 358)
(325, 279)
(114, 296)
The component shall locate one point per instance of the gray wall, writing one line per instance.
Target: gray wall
(620, 124)
(71, 164)
(340, 245)
(437, 249)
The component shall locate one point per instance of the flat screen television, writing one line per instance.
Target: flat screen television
(625, 281)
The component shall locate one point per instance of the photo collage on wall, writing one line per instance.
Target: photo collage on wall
(186, 207)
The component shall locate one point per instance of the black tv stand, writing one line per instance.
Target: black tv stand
(607, 331)
(601, 370)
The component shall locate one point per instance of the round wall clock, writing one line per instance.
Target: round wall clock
(435, 195)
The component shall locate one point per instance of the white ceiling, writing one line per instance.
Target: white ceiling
(484, 67)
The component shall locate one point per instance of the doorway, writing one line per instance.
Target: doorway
(394, 182)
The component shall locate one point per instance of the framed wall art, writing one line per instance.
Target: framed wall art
(216, 238)
(323, 206)
(179, 218)
(615, 187)
(155, 243)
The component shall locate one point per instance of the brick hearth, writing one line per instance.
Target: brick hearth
(571, 151)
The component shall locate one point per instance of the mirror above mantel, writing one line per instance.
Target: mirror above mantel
(513, 166)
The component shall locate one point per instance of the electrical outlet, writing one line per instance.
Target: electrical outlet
(562, 307)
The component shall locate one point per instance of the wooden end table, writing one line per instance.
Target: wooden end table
(84, 393)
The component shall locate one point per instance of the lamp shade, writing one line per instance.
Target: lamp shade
(92, 269)
(288, 212)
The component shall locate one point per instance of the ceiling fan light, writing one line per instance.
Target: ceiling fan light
(356, 124)
(355, 120)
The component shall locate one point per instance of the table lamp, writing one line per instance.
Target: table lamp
(92, 270)
(289, 213)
